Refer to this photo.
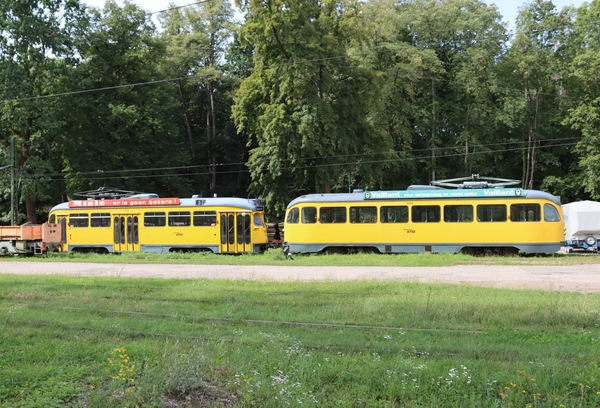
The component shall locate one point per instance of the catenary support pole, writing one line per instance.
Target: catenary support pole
(12, 181)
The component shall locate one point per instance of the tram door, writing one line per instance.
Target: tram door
(126, 232)
(235, 232)
(62, 220)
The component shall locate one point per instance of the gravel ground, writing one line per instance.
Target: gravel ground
(581, 278)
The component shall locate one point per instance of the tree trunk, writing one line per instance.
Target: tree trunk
(30, 209)
(531, 145)
(188, 125)
(213, 153)
(433, 131)
(30, 206)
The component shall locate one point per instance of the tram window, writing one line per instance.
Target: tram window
(551, 213)
(309, 215)
(491, 213)
(525, 212)
(224, 229)
(394, 214)
(363, 215)
(458, 213)
(179, 219)
(332, 215)
(257, 221)
(78, 220)
(100, 220)
(52, 219)
(293, 216)
(205, 218)
(243, 228)
(425, 213)
(63, 222)
(135, 230)
(155, 219)
(230, 230)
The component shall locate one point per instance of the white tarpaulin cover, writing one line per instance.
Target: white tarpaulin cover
(582, 219)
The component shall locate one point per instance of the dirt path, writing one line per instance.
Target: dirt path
(582, 278)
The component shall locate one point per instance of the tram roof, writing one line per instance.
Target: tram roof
(250, 204)
(424, 193)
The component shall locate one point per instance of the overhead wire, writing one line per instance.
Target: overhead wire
(178, 7)
(60, 176)
(337, 156)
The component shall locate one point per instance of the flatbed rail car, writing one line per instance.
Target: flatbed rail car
(29, 239)
(427, 219)
(145, 222)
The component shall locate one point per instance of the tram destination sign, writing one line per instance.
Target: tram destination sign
(463, 193)
(124, 202)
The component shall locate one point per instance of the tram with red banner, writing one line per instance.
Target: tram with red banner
(112, 220)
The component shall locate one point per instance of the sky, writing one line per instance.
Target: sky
(508, 8)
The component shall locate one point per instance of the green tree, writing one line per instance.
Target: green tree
(583, 90)
(454, 110)
(386, 48)
(533, 108)
(122, 134)
(197, 42)
(306, 105)
(36, 50)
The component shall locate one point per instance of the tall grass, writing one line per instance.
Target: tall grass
(101, 342)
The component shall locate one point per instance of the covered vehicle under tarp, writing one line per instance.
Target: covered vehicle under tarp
(582, 225)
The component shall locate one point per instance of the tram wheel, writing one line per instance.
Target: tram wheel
(486, 251)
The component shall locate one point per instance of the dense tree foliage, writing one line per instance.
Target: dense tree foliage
(300, 96)
(36, 48)
(307, 104)
(583, 81)
(197, 41)
(121, 129)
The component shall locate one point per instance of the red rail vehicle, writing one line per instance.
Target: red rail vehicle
(29, 239)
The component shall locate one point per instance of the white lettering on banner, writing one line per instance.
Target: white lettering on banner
(497, 192)
(142, 202)
(87, 203)
(501, 192)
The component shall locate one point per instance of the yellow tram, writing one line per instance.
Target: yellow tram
(109, 222)
(478, 219)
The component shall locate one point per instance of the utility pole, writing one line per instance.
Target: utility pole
(12, 181)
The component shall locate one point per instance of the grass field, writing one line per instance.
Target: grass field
(276, 257)
(116, 342)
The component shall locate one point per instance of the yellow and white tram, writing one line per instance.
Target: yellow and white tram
(426, 218)
(146, 222)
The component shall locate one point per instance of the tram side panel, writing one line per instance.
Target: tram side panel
(537, 226)
(183, 228)
(87, 230)
(217, 229)
(95, 231)
(431, 226)
(160, 229)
